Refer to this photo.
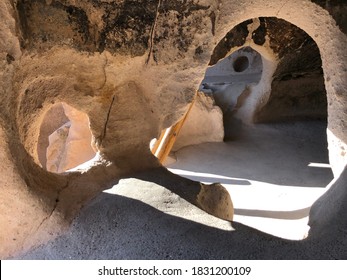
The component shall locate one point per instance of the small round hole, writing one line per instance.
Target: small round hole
(241, 64)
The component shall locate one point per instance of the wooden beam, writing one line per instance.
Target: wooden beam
(167, 139)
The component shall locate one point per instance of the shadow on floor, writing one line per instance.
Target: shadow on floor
(273, 153)
(118, 227)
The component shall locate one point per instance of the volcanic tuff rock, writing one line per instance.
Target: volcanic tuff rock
(133, 67)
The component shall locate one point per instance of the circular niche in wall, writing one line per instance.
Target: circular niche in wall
(241, 64)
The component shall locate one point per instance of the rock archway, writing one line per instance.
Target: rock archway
(282, 86)
(82, 53)
(320, 26)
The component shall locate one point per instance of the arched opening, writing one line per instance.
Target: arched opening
(274, 158)
(230, 82)
(65, 139)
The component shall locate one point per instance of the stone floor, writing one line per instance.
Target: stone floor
(273, 176)
(273, 173)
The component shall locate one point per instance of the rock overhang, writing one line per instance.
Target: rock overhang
(132, 67)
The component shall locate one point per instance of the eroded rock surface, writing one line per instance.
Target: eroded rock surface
(48, 127)
(70, 145)
(204, 124)
(132, 67)
(56, 148)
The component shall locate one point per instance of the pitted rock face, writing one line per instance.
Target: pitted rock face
(116, 26)
(133, 67)
(337, 9)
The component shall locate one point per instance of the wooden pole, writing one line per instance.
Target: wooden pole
(167, 139)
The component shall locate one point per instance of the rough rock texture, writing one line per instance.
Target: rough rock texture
(204, 124)
(337, 9)
(231, 82)
(132, 66)
(297, 85)
(297, 89)
(56, 148)
(70, 145)
(48, 126)
(325, 220)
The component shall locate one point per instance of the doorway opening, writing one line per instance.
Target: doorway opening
(230, 83)
(274, 157)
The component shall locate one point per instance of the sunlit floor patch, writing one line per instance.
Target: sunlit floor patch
(277, 210)
(319, 165)
(165, 201)
(269, 173)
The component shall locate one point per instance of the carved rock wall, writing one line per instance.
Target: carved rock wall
(48, 126)
(132, 66)
(204, 124)
(73, 140)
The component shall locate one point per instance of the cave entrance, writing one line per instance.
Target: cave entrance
(229, 82)
(65, 140)
(274, 158)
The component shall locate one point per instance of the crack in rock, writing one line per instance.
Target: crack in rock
(285, 3)
(51, 212)
(103, 135)
(151, 43)
(104, 71)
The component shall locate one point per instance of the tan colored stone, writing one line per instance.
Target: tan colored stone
(56, 148)
(215, 200)
(203, 124)
(53, 119)
(132, 81)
